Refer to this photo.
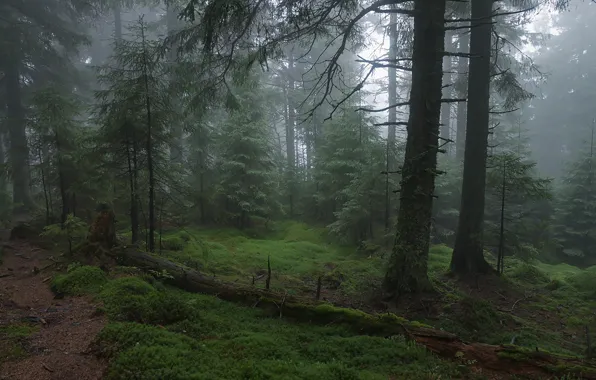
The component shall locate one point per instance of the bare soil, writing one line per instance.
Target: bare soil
(67, 327)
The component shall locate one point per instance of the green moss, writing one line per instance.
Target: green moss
(173, 243)
(135, 300)
(530, 274)
(220, 340)
(79, 281)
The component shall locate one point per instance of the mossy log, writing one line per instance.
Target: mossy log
(502, 359)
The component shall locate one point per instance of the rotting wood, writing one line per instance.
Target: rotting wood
(504, 358)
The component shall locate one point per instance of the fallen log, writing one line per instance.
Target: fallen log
(508, 359)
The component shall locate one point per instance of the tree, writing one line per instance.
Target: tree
(576, 208)
(248, 183)
(408, 264)
(54, 125)
(135, 98)
(468, 254)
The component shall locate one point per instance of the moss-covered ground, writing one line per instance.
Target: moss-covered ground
(160, 332)
(157, 332)
(533, 305)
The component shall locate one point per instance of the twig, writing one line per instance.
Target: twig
(5, 275)
(46, 367)
(319, 284)
(268, 281)
(283, 301)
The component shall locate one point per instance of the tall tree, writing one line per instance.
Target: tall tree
(407, 271)
(461, 85)
(468, 254)
(392, 117)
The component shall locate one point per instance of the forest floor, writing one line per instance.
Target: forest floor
(43, 338)
(126, 323)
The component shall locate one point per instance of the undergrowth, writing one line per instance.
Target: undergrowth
(301, 253)
(161, 333)
(157, 332)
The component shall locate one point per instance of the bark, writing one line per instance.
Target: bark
(468, 252)
(392, 117)
(290, 133)
(19, 150)
(502, 359)
(408, 264)
(117, 20)
(177, 138)
(149, 146)
(447, 93)
(462, 107)
(3, 181)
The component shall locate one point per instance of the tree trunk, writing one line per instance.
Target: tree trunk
(290, 133)
(468, 253)
(149, 146)
(408, 264)
(462, 71)
(176, 142)
(447, 93)
(117, 21)
(19, 151)
(392, 117)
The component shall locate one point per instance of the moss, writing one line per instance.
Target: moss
(530, 274)
(79, 281)
(173, 243)
(220, 340)
(135, 300)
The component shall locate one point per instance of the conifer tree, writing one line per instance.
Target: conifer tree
(136, 111)
(248, 185)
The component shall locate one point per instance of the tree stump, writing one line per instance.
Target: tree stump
(103, 231)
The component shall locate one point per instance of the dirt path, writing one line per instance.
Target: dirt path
(59, 349)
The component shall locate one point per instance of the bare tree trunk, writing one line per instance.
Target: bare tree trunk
(117, 21)
(408, 264)
(447, 93)
(290, 136)
(468, 253)
(19, 150)
(392, 117)
(150, 169)
(462, 70)
(176, 142)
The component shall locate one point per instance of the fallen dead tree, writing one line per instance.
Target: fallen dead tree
(504, 359)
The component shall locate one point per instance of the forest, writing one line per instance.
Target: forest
(297, 189)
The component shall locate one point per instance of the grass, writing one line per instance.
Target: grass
(159, 332)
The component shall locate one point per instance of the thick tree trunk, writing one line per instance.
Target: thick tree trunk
(468, 253)
(447, 93)
(462, 91)
(392, 117)
(19, 151)
(408, 265)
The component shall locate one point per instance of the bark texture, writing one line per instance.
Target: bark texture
(468, 252)
(407, 272)
(462, 92)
